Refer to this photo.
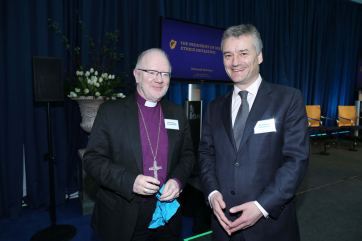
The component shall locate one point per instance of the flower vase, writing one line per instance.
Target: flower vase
(88, 109)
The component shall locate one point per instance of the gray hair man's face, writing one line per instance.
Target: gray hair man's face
(241, 60)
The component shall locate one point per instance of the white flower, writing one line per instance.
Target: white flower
(120, 95)
(77, 73)
(105, 76)
(77, 90)
(91, 70)
(72, 94)
(96, 84)
(94, 79)
(86, 91)
(89, 82)
(96, 73)
(98, 94)
(81, 73)
(87, 73)
(100, 80)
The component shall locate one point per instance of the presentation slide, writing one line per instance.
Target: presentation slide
(194, 51)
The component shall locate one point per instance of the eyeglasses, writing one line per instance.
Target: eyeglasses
(154, 73)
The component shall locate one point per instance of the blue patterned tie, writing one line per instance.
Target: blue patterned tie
(241, 118)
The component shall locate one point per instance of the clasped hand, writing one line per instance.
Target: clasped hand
(251, 214)
(145, 185)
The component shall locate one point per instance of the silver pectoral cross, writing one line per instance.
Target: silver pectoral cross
(155, 168)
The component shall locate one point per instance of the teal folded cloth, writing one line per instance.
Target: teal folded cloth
(164, 211)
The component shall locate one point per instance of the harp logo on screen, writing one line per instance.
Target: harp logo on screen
(173, 44)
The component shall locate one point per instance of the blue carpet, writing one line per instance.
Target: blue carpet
(32, 221)
(329, 204)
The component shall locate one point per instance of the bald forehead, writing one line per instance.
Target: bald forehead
(154, 61)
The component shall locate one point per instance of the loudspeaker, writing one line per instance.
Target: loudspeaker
(47, 76)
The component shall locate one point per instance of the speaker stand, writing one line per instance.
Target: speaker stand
(55, 232)
(63, 232)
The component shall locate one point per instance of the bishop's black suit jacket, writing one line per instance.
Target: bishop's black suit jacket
(114, 159)
(268, 167)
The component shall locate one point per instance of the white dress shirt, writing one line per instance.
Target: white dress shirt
(235, 105)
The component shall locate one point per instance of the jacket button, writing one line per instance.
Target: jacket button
(232, 192)
(236, 164)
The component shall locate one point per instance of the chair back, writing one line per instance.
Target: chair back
(314, 111)
(348, 112)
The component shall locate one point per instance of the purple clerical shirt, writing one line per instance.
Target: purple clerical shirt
(151, 116)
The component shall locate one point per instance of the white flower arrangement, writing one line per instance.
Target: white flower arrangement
(89, 83)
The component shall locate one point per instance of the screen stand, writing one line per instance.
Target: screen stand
(193, 109)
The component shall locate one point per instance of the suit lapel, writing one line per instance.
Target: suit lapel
(131, 115)
(226, 116)
(260, 105)
(168, 114)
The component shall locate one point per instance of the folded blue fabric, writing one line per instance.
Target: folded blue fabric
(164, 211)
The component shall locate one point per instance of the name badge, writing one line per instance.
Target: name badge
(171, 124)
(265, 126)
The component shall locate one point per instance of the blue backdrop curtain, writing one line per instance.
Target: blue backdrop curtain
(310, 45)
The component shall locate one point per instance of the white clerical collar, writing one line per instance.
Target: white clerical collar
(150, 104)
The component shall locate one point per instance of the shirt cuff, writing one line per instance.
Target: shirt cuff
(178, 182)
(210, 196)
(262, 210)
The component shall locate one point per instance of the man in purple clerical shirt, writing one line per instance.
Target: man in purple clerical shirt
(137, 145)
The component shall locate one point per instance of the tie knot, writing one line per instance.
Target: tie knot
(243, 94)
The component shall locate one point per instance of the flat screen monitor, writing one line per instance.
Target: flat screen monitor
(194, 51)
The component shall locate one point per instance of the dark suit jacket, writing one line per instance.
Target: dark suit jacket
(114, 159)
(268, 167)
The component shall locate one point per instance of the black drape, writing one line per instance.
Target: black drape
(308, 44)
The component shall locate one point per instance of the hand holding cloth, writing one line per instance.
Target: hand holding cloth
(164, 211)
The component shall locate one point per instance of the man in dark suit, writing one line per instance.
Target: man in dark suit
(137, 144)
(254, 149)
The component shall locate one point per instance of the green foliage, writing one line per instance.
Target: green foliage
(98, 80)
